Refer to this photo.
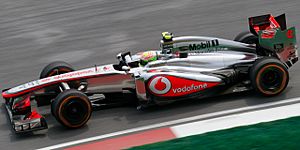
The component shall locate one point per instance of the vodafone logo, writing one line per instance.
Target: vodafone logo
(160, 85)
(190, 88)
(172, 86)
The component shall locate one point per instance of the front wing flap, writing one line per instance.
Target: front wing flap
(22, 117)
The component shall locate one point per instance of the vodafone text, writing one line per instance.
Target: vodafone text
(190, 88)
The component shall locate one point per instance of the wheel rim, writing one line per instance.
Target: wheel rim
(75, 111)
(272, 79)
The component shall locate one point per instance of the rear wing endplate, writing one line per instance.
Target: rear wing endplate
(273, 35)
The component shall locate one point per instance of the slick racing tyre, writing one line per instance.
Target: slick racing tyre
(56, 68)
(72, 108)
(246, 37)
(269, 76)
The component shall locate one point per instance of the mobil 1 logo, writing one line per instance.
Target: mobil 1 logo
(204, 45)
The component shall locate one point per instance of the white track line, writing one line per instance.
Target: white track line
(174, 122)
(236, 120)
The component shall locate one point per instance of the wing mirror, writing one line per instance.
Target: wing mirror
(119, 56)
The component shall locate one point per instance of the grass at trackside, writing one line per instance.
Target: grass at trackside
(276, 135)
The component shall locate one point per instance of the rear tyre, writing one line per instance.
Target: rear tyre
(269, 76)
(246, 37)
(72, 108)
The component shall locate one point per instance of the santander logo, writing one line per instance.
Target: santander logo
(160, 85)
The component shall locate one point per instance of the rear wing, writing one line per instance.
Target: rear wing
(274, 35)
(266, 22)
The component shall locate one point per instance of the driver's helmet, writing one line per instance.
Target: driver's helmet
(165, 43)
(147, 57)
(167, 36)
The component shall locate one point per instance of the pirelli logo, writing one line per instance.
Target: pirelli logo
(204, 45)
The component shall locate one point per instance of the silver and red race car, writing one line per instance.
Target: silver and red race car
(185, 67)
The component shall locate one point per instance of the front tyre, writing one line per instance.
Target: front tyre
(52, 69)
(56, 68)
(72, 108)
(269, 76)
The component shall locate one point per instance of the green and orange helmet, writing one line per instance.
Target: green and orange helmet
(147, 57)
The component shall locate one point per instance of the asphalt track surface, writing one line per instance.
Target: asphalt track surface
(34, 33)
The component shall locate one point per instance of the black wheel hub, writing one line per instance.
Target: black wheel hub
(75, 111)
(271, 79)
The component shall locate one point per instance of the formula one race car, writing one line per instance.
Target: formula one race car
(185, 67)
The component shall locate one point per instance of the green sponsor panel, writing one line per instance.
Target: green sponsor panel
(276, 135)
(286, 37)
(283, 42)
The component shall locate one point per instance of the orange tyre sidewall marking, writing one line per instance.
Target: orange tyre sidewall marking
(64, 120)
(282, 84)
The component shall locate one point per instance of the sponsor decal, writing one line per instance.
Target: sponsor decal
(32, 84)
(189, 88)
(170, 86)
(160, 85)
(46, 79)
(106, 68)
(278, 47)
(290, 34)
(268, 34)
(24, 86)
(73, 74)
(167, 46)
(273, 23)
(68, 75)
(204, 45)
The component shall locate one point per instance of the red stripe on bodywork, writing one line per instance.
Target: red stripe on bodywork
(11, 95)
(128, 141)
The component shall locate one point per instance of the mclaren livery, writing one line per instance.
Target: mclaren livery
(184, 67)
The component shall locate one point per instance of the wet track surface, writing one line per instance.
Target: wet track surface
(83, 33)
